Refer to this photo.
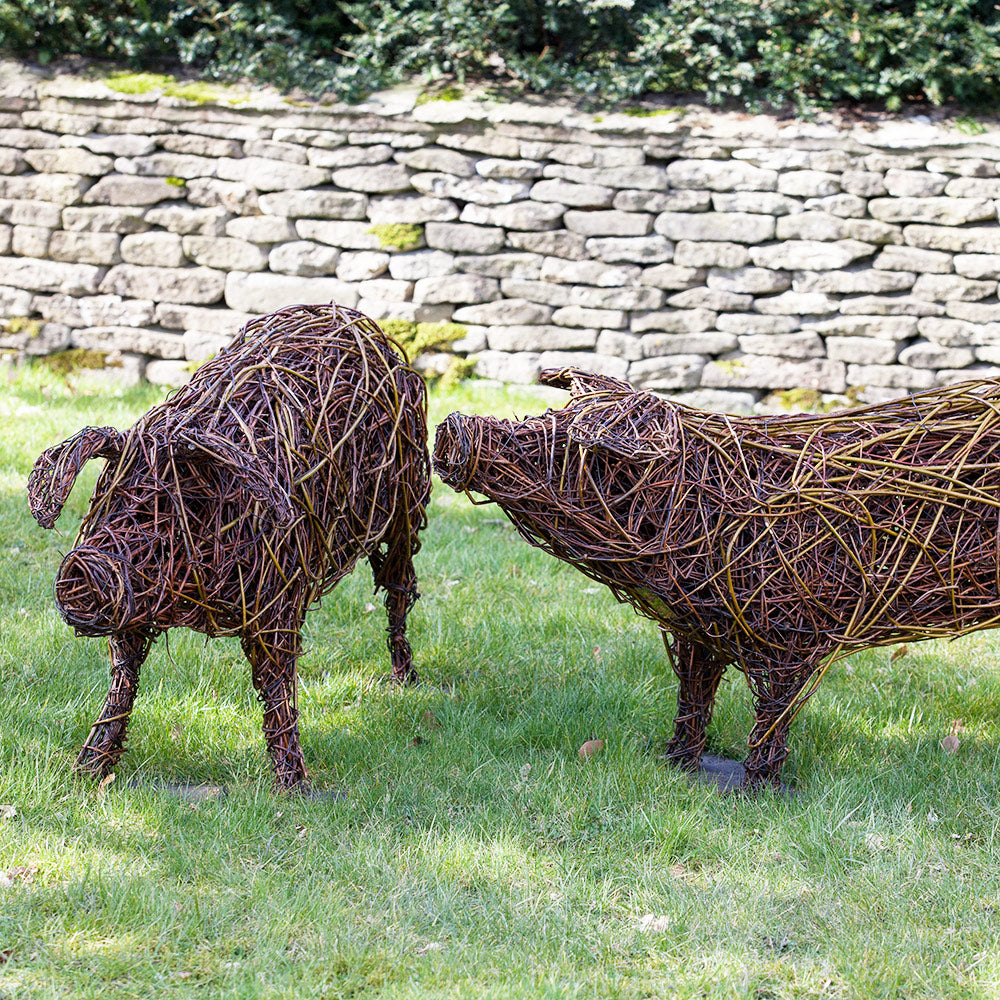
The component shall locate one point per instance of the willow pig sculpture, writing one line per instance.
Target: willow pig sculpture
(776, 544)
(235, 505)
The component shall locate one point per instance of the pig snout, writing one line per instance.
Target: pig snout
(456, 450)
(93, 592)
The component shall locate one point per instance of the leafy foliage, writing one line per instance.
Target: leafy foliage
(804, 51)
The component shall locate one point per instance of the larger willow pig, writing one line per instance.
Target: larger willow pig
(235, 505)
(773, 543)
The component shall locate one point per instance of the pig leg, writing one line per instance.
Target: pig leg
(394, 573)
(106, 741)
(699, 672)
(272, 653)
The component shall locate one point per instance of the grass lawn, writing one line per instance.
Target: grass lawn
(473, 854)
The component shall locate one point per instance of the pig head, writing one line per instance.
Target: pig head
(774, 543)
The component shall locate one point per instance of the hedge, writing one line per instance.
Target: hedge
(808, 52)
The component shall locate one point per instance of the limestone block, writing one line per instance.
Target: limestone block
(862, 350)
(674, 321)
(463, 238)
(458, 288)
(801, 344)
(751, 280)
(351, 156)
(169, 165)
(497, 169)
(225, 253)
(95, 310)
(773, 159)
(527, 266)
(16, 302)
(266, 229)
(195, 145)
(410, 209)
(104, 219)
(640, 249)
(717, 400)
(712, 175)
(755, 203)
(264, 293)
(539, 338)
(322, 203)
(610, 223)
(345, 235)
(554, 243)
(925, 354)
(272, 175)
(970, 239)
(521, 215)
(50, 276)
(810, 255)
(121, 189)
(852, 282)
(971, 167)
(408, 310)
(362, 265)
(810, 226)
(522, 367)
(676, 371)
(808, 183)
(914, 183)
(23, 138)
(689, 254)
(169, 373)
(940, 211)
(37, 341)
(664, 201)
(61, 189)
(745, 324)
(438, 160)
(289, 151)
(195, 285)
(884, 327)
(796, 304)
(872, 231)
(978, 265)
(84, 248)
(571, 315)
(202, 345)
(5, 239)
(389, 289)
(30, 241)
(589, 272)
(904, 305)
(510, 312)
(385, 178)
(576, 195)
(31, 213)
(863, 183)
(844, 206)
(642, 297)
(673, 277)
(733, 227)
(600, 363)
(546, 292)
(971, 187)
(715, 299)
(628, 176)
(758, 371)
(301, 257)
(187, 221)
(67, 161)
(218, 320)
(140, 340)
(421, 264)
(154, 249)
(948, 332)
(477, 190)
(654, 345)
(903, 258)
(115, 145)
(208, 192)
(942, 287)
(616, 342)
(974, 312)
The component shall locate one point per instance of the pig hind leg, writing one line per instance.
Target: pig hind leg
(273, 653)
(106, 742)
(393, 572)
(699, 672)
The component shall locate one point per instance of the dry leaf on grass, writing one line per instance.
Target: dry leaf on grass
(951, 742)
(899, 653)
(654, 924)
(590, 748)
(8, 812)
(102, 788)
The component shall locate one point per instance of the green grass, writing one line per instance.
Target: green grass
(482, 859)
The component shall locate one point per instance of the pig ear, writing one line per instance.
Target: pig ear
(637, 426)
(56, 469)
(580, 382)
(193, 445)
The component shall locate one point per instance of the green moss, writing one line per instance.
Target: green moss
(969, 125)
(731, 367)
(21, 324)
(138, 83)
(415, 338)
(64, 362)
(639, 112)
(444, 94)
(401, 235)
(178, 182)
(457, 371)
(195, 91)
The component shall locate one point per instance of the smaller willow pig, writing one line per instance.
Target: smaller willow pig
(773, 543)
(232, 507)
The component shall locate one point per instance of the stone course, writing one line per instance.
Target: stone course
(716, 258)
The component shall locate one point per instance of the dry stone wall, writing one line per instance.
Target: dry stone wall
(716, 258)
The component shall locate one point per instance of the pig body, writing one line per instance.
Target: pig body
(235, 505)
(773, 543)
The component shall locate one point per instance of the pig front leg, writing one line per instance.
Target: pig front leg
(394, 573)
(699, 672)
(106, 742)
(273, 653)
